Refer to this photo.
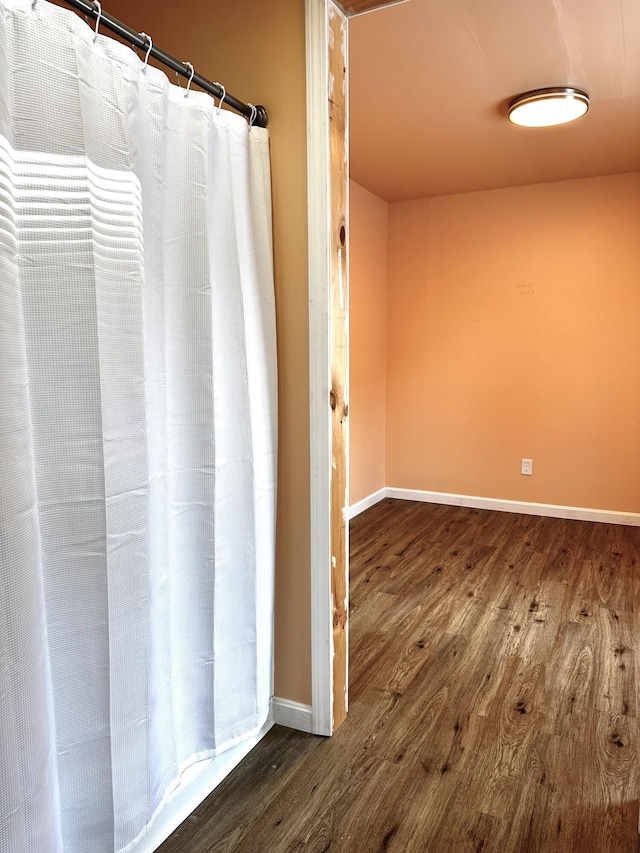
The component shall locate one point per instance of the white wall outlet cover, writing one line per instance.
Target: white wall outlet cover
(527, 467)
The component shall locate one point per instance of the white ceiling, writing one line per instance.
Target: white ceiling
(430, 81)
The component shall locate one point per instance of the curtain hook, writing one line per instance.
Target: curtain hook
(146, 58)
(98, 5)
(224, 95)
(254, 115)
(190, 67)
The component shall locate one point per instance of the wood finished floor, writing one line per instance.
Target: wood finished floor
(493, 700)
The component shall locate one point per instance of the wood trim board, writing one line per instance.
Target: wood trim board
(320, 426)
(339, 352)
(360, 7)
(327, 117)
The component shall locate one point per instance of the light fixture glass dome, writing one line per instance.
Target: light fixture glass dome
(546, 107)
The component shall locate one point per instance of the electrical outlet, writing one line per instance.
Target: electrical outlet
(527, 467)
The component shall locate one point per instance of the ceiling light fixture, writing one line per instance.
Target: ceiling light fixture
(546, 107)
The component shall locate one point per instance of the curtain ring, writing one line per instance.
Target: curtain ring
(254, 115)
(224, 95)
(99, 7)
(146, 58)
(190, 67)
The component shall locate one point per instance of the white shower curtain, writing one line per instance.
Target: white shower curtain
(137, 435)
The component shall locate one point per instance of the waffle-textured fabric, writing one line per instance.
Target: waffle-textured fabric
(137, 435)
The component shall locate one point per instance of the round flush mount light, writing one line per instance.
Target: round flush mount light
(546, 107)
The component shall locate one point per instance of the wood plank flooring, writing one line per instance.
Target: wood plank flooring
(494, 700)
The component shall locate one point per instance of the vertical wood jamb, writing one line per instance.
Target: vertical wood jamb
(328, 356)
(338, 352)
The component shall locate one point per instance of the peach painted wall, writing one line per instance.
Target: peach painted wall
(368, 247)
(514, 331)
(257, 50)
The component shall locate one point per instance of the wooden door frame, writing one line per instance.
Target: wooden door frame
(327, 185)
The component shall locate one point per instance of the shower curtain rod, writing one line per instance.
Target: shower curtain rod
(183, 68)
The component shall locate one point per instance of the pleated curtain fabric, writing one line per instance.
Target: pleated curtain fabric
(137, 434)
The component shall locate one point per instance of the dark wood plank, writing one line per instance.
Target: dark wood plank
(493, 700)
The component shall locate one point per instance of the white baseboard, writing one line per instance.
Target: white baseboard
(631, 519)
(365, 503)
(294, 715)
